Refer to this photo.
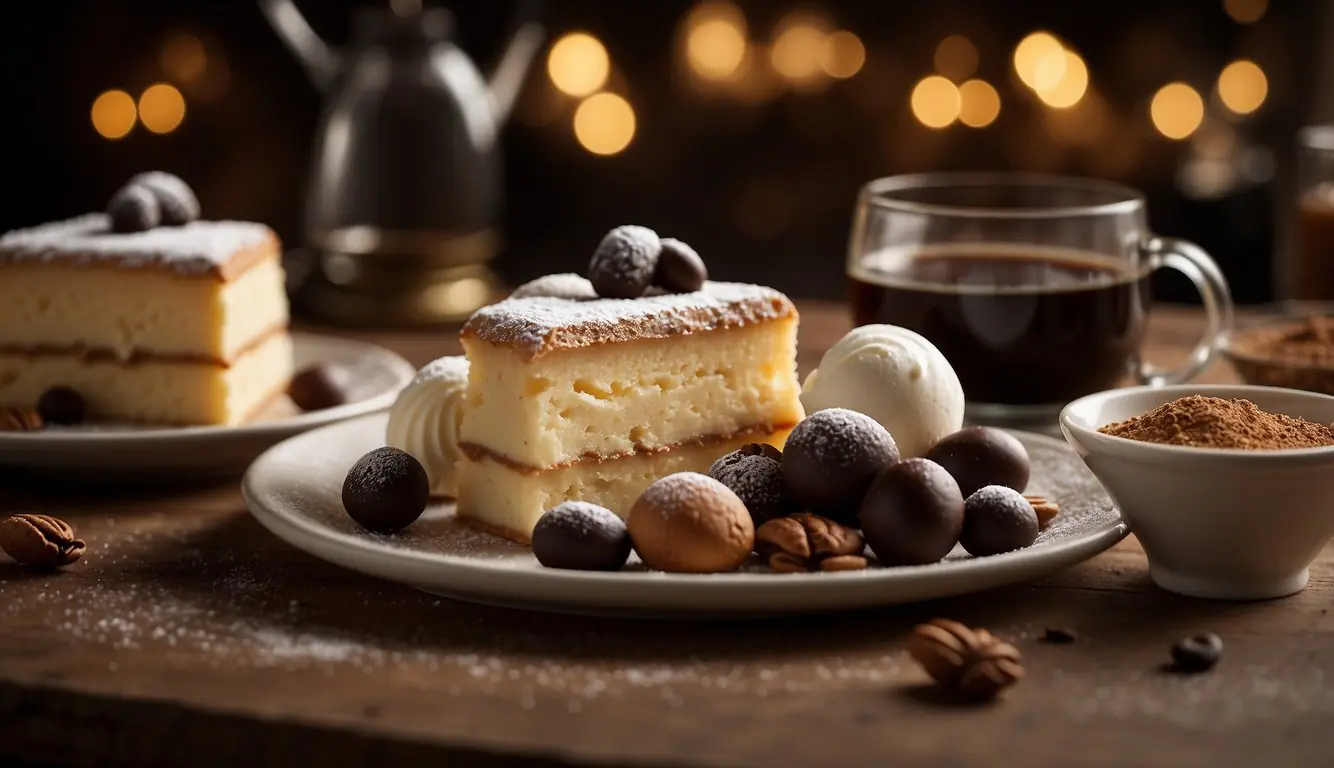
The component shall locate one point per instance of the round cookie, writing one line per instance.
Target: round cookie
(691, 523)
(997, 519)
(754, 474)
(830, 459)
(913, 513)
(982, 456)
(386, 490)
(583, 537)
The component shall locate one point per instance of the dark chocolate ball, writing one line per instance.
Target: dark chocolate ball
(581, 537)
(754, 474)
(175, 198)
(997, 519)
(386, 490)
(62, 405)
(981, 456)
(319, 387)
(830, 459)
(134, 209)
(624, 262)
(680, 269)
(912, 514)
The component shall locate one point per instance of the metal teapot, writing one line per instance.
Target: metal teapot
(404, 193)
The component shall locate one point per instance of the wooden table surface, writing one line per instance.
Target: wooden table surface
(190, 636)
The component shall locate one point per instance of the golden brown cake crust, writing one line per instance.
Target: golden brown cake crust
(536, 323)
(219, 250)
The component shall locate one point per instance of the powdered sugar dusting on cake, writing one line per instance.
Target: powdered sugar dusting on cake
(562, 285)
(195, 249)
(535, 325)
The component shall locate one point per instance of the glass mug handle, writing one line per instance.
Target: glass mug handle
(1190, 260)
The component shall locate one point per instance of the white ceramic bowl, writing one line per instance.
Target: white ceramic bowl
(1221, 524)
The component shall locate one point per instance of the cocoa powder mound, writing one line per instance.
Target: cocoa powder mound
(1213, 422)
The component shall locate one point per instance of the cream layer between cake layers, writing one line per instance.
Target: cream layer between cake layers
(176, 325)
(576, 397)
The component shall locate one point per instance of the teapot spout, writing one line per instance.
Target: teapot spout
(509, 74)
(320, 61)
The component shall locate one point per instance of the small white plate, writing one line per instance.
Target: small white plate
(295, 488)
(129, 453)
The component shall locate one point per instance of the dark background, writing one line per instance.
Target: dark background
(763, 186)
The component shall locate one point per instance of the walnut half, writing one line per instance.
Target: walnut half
(804, 542)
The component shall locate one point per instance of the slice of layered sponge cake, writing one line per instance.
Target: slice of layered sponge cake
(571, 396)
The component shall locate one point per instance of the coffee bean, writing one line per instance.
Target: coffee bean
(62, 405)
(680, 269)
(1197, 653)
(134, 209)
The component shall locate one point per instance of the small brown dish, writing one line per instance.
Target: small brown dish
(1292, 349)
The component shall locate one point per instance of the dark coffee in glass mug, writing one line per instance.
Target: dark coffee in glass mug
(1036, 289)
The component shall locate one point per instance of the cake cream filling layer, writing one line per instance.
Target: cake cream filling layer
(614, 400)
(156, 392)
(509, 501)
(123, 314)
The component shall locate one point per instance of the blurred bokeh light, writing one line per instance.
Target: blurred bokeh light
(715, 40)
(604, 124)
(935, 101)
(1176, 110)
(578, 64)
(1242, 86)
(979, 104)
(113, 114)
(161, 108)
(956, 58)
(844, 55)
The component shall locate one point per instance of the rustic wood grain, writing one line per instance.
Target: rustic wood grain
(190, 636)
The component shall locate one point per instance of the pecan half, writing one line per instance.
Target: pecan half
(970, 662)
(40, 541)
(1046, 509)
(19, 418)
(805, 542)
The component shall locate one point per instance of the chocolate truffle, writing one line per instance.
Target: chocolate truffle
(691, 523)
(62, 405)
(997, 519)
(913, 513)
(581, 537)
(830, 459)
(680, 269)
(134, 209)
(981, 456)
(386, 490)
(624, 262)
(754, 474)
(318, 387)
(174, 197)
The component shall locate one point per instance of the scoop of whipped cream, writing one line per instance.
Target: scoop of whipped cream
(894, 376)
(425, 421)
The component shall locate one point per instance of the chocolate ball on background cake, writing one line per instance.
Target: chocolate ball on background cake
(623, 265)
(913, 513)
(691, 523)
(175, 198)
(754, 473)
(63, 406)
(982, 456)
(997, 519)
(830, 459)
(133, 209)
(583, 537)
(896, 377)
(386, 490)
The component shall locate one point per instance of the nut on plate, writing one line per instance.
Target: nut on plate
(805, 542)
(969, 662)
(40, 541)
(1046, 510)
(20, 418)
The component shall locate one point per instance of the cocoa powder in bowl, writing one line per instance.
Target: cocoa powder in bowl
(1214, 422)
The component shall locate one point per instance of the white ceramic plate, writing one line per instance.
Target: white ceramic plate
(294, 490)
(125, 452)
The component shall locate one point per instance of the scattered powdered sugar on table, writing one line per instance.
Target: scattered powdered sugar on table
(197, 248)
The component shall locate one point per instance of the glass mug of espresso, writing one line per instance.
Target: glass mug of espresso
(1035, 288)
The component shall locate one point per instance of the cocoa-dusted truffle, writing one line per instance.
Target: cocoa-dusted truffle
(830, 459)
(754, 474)
(386, 490)
(691, 523)
(913, 513)
(62, 405)
(134, 209)
(981, 456)
(174, 197)
(623, 265)
(582, 537)
(318, 387)
(997, 519)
